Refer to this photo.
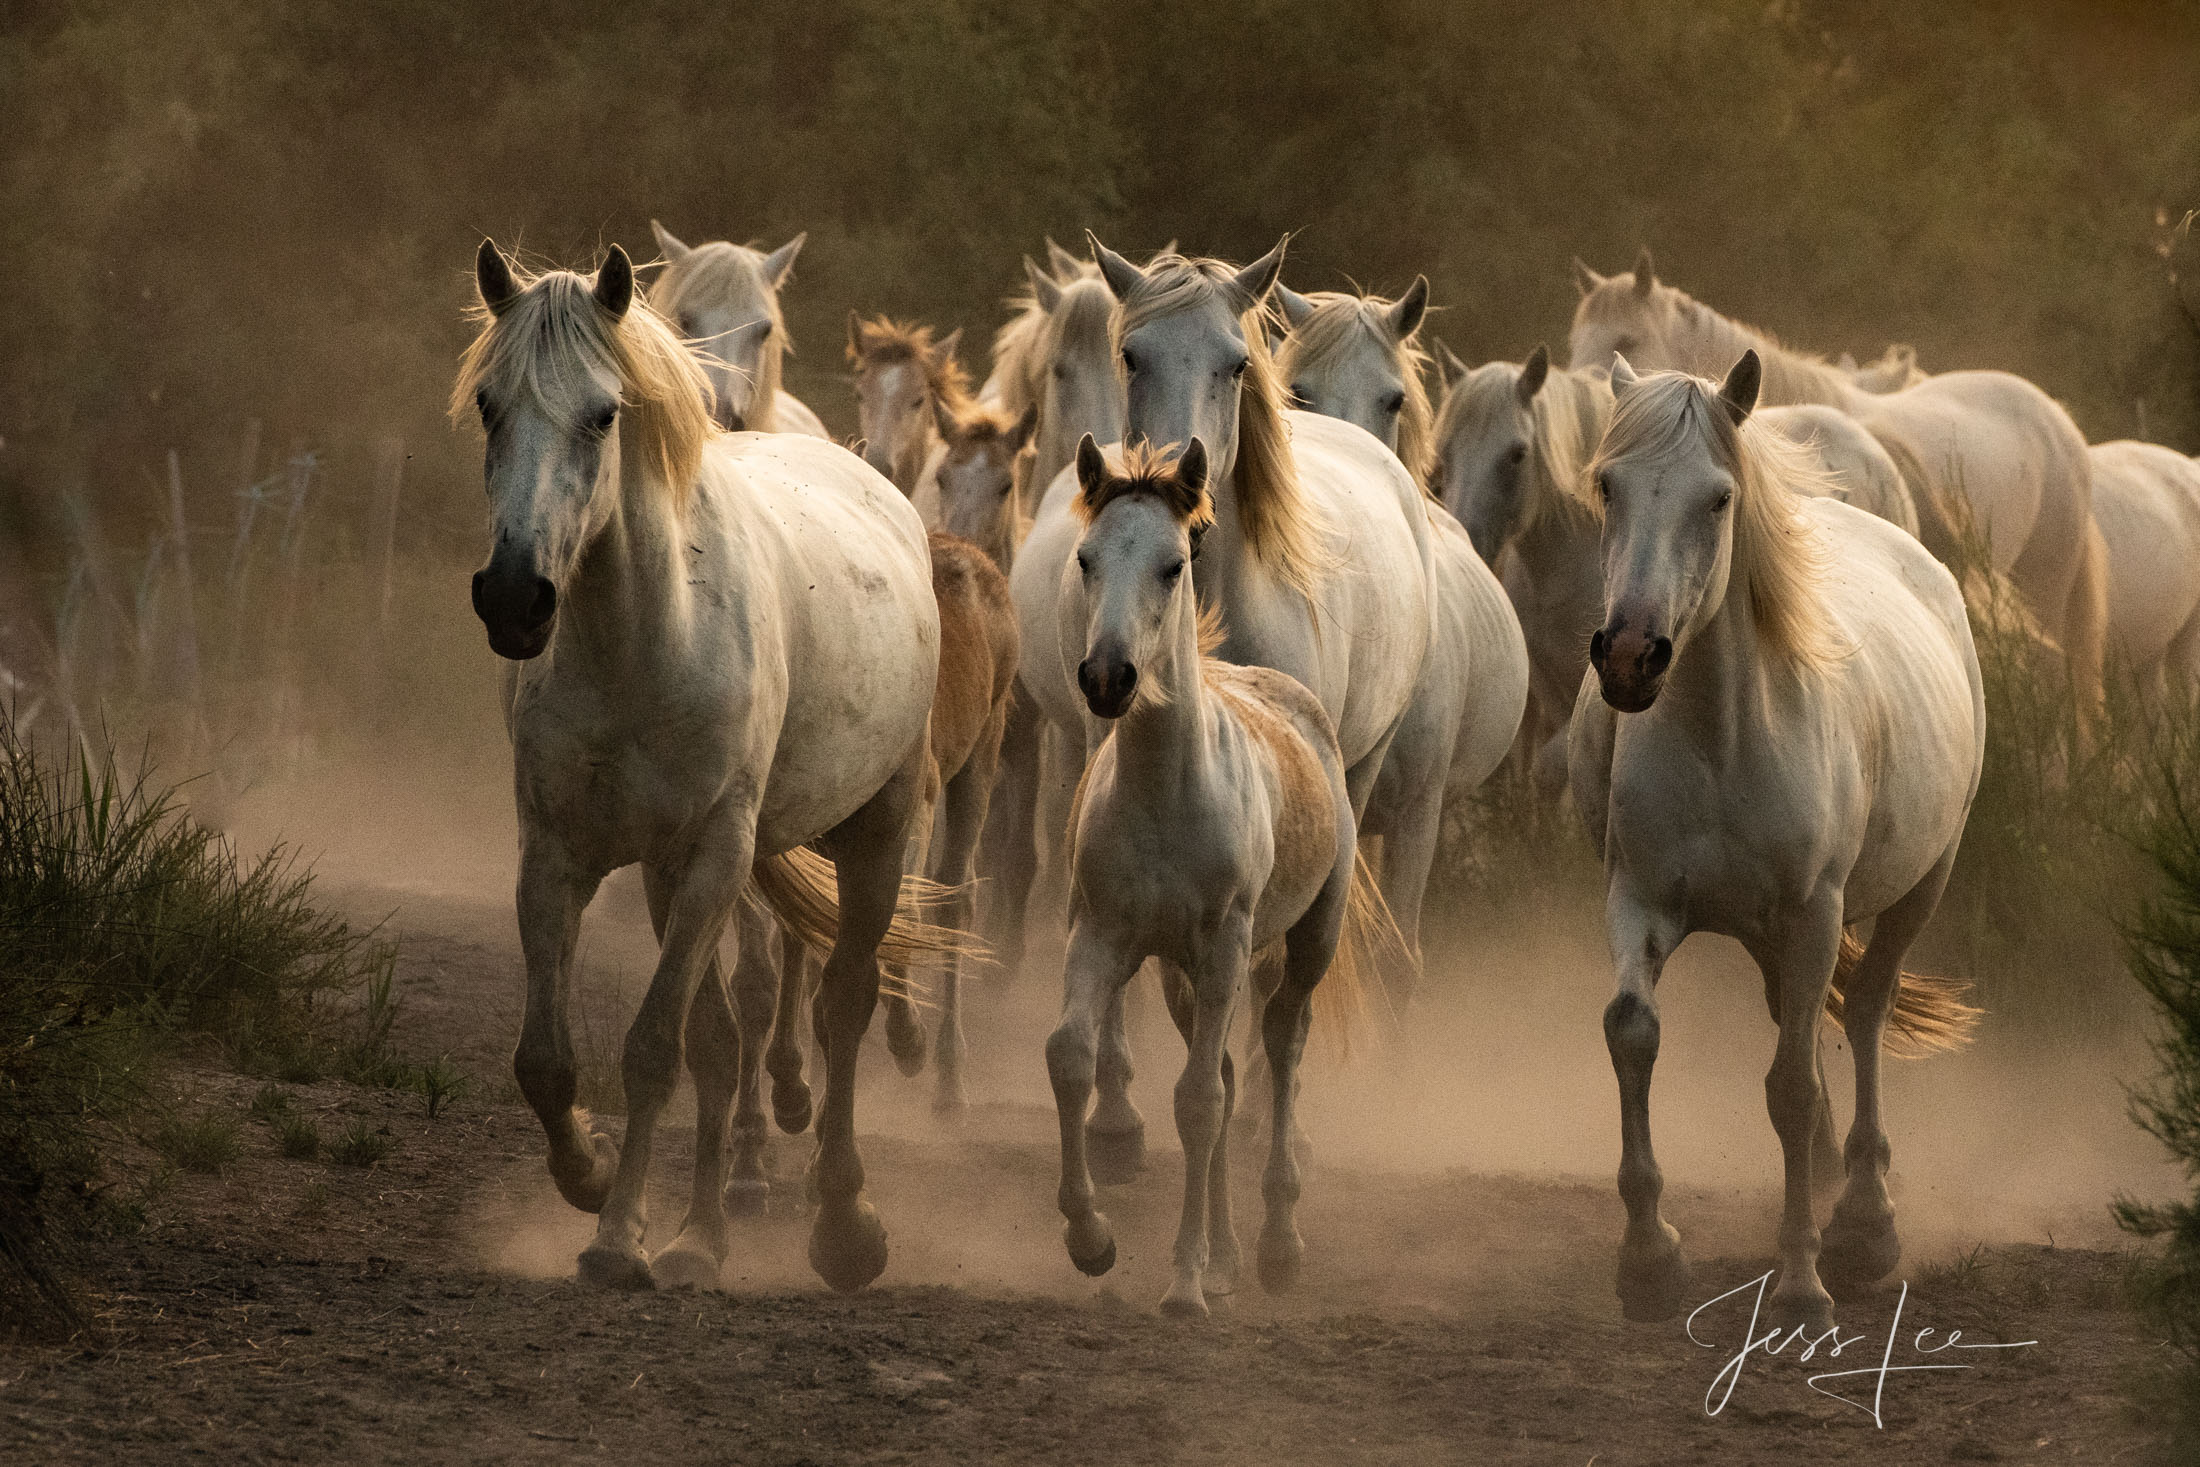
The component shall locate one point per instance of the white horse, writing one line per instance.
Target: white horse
(1213, 822)
(1319, 562)
(906, 383)
(723, 649)
(724, 300)
(1789, 734)
(1853, 466)
(1982, 452)
(1356, 358)
(2146, 499)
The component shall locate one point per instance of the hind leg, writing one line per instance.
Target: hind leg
(847, 1240)
(1010, 848)
(1309, 948)
(756, 985)
(790, 1092)
(963, 809)
(905, 1036)
(1860, 1245)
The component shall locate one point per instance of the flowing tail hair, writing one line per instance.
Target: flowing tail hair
(1929, 1014)
(1344, 1001)
(800, 888)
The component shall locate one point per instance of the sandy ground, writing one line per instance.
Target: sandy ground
(1456, 1304)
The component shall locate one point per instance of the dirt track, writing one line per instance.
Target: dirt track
(1454, 1306)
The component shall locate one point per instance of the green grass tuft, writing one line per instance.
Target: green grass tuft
(206, 1142)
(361, 1145)
(297, 1136)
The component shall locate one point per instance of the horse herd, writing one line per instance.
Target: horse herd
(1195, 603)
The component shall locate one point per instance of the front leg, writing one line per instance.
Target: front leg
(1800, 965)
(1202, 1108)
(1653, 1276)
(1096, 971)
(703, 891)
(553, 891)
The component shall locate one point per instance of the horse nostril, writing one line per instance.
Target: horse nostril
(545, 604)
(1596, 649)
(1130, 679)
(1659, 657)
(1087, 682)
(480, 578)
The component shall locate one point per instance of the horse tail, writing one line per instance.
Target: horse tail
(1344, 1000)
(1929, 1014)
(2085, 625)
(801, 889)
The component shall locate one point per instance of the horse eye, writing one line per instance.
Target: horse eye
(765, 334)
(1130, 363)
(1604, 488)
(601, 423)
(1171, 571)
(481, 401)
(1724, 500)
(1395, 403)
(1517, 453)
(1238, 370)
(1299, 398)
(1084, 564)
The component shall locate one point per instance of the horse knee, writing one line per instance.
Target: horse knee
(1792, 1097)
(1071, 1057)
(1631, 1030)
(546, 1077)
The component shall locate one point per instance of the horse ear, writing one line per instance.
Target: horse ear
(1623, 376)
(1585, 279)
(1092, 468)
(1739, 392)
(1256, 278)
(780, 262)
(1450, 359)
(943, 419)
(1191, 466)
(1847, 363)
(855, 335)
(493, 278)
(1646, 274)
(1533, 374)
(615, 284)
(1120, 274)
(1061, 264)
(1296, 307)
(1044, 289)
(1020, 435)
(1405, 315)
(944, 349)
(667, 245)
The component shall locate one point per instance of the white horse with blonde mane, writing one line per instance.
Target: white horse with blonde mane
(1212, 823)
(723, 649)
(1319, 562)
(1357, 358)
(1781, 740)
(723, 299)
(2146, 499)
(1983, 453)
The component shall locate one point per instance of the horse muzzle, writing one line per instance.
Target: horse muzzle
(519, 608)
(1630, 664)
(1109, 684)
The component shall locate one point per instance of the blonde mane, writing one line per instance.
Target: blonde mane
(1566, 419)
(1282, 528)
(883, 341)
(1020, 347)
(1780, 561)
(1146, 469)
(718, 270)
(1338, 323)
(553, 336)
(1700, 340)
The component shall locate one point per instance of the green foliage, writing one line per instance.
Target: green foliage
(361, 1145)
(270, 1103)
(205, 1142)
(123, 923)
(2165, 958)
(297, 1136)
(440, 1083)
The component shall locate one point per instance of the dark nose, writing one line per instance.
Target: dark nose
(517, 608)
(1107, 685)
(729, 418)
(1659, 657)
(1629, 665)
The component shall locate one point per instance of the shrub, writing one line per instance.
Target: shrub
(206, 1142)
(298, 1137)
(361, 1145)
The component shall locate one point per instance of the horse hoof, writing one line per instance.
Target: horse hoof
(588, 1190)
(1653, 1278)
(1091, 1245)
(747, 1196)
(906, 1040)
(1855, 1256)
(1280, 1257)
(1807, 1307)
(1115, 1157)
(688, 1263)
(1183, 1303)
(791, 1105)
(1098, 1264)
(848, 1247)
(949, 1102)
(612, 1268)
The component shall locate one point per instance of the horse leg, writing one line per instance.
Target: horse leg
(963, 807)
(1860, 1244)
(552, 894)
(713, 1048)
(847, 1240)
(701, 897)
(790, 1092)
(1010, 846)
(1223, 1256)
(1802, 966)
(1409, 851)
(1061, 762)
(1202, 1106)
(905, 1036)
(1309, 948)
(1095, 973)
(1115, 1137)
(1653, 1275)
(756, 984)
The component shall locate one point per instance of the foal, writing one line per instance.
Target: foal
(1212, 822)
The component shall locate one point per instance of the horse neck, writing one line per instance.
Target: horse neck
(1162, 744)
(629, 592)
(1717, 687)
(1790, 377)
(911, 462)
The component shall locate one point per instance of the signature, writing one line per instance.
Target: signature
(1773, 1343)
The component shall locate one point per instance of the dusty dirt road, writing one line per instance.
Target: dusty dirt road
(1456, 1304)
